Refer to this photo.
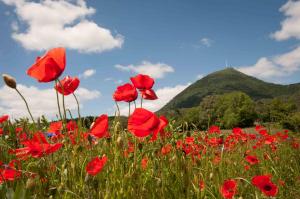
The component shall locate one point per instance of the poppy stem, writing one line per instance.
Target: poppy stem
(57, 98)
(78, 108)
(26, 105)
(64, 107)
(118, 108)
(134, 104)
(135, 152)
(68, 110)
(63, 100)
(141, 102)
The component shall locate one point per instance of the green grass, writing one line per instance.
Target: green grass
(174, 175)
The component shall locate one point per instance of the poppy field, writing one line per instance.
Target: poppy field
(150, 158)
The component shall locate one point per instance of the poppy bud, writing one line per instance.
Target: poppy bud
(9, 81)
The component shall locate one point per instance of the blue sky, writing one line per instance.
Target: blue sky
(176, 41)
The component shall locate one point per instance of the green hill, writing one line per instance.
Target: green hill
(226, 81)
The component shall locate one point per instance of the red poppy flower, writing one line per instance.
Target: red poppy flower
(265, 184)
(214, 141)
(96, 165)
(55, 127)
(68, 85)
(3, 118)
(100, 128)
(142, 82)
(163, 122)
(71, 126)
(10, 173)
(126, 92)
(37, 147)
(1, 131)
(201, 185)
(214, 129)
(166, 149)
(50, 66)
(148, 94)
(229, 188)
(142, 122)
(252, 159)
(144, 163)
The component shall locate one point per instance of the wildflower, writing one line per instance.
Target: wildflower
(166, 149)
(126, 93)
(37, 147)
(100, 128)
(142, 82)
(252, 159)
(67, 85)
(229, 188)
(142, 122)
(3, 118)
(96, 165)
(201, 185)
(148, 94)
(50, 66)
(9, 173)
(214, 129)
(163, 122)
(265, 184)
(144, 163)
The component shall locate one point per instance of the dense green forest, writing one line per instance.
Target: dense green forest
(237, 109)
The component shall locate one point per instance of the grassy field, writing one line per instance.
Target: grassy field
(176, 165)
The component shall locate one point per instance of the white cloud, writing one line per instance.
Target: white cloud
(285, 64)
(200, 76)
(116, 81)
(290, 27)
(14, 26)
(157, 70)
(278, 66)
(164, 95)
(206, 42)
(61, 23)
(40, 101)
(88, 73)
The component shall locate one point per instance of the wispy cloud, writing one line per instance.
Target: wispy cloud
(200, 76)
(157, 70)
(88, 73)
(206, 41)
(116, 81)
(283, 64)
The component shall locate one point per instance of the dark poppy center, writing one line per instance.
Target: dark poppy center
(267, 187)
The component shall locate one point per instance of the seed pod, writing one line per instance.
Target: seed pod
(9, 81)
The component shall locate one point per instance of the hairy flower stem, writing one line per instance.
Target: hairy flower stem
(26, 105)
(63, 119)
(135, 152)
(118, 108)
(78, 108)
(63, 100)
(68, 110)
(58, 104)
(141, 102)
